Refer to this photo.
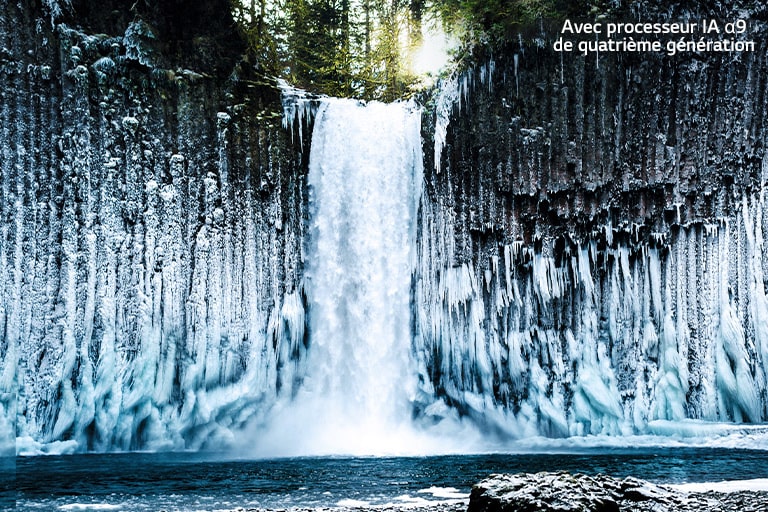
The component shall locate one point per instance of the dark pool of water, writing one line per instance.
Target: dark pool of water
(197, 482)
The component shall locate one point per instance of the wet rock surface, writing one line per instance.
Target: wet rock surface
(564, 492)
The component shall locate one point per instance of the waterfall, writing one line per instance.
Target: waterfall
(365, 174)
(365, 168)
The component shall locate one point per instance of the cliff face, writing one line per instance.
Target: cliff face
(590, 254)
(152, 222)
(592, 240)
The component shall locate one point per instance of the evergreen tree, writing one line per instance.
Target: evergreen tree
(360, 48)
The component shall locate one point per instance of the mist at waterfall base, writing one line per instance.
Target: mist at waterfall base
(354, 393)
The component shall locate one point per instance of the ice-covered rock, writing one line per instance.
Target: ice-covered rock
(150, 272)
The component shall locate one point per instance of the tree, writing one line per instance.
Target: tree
(361, 48)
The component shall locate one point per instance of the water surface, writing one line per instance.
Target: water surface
(205, 482)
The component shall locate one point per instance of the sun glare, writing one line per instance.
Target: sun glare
(432, 55)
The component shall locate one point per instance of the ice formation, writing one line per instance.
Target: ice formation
(167, 281)
(148, 294)
(598, 342)
(542, 307)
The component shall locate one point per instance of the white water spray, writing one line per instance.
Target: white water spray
(365, 179)
(365, 174)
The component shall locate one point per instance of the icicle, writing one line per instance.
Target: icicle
(298, 109)
(517, 77)
(446, 99)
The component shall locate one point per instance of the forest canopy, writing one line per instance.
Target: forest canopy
(369, 48)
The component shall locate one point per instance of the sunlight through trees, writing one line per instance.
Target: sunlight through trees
(373, 49)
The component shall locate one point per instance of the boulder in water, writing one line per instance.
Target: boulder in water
(564, 492)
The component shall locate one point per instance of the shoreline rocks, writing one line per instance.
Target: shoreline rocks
(565, 492)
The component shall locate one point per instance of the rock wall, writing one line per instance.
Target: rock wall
(592, 252)
(151, 234)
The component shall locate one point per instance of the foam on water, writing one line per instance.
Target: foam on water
(90, 506)
(444, 492)
(757, 484)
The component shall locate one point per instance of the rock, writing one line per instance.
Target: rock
(564, 492)
(636, 490)
(555, 492)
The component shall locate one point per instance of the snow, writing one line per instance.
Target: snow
(444, 492)
(757, 484)
(138, 40)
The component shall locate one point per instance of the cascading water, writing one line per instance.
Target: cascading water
(365, 192)
(365, 176)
